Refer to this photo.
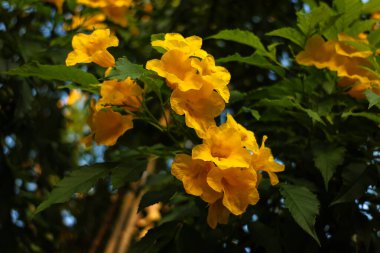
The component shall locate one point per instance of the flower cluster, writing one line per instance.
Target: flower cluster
(223, 170)
(111, 115)
(106, 124)
(115, 10)
(199, 86)
(343, 56)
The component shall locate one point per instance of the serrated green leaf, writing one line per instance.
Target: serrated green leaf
(78, 181)
(303, 205)
(124, 69)
(255, 60)
(326, 159)
(319, 16)
(372, 97)
(54, 72)
(350, 11)
(291, 34)
(127, 172)
(242, 37)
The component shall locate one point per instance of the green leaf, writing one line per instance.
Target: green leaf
(152, 83)
(291, 34)
(303, 205)
(372, 97)
(374, 37)
(356, 179)
(320, 16)
(255, 60)
(242, 37)
(127, 172)
(361, 26)
(156, 239)
(371, 6)
(289, 102)
(253, 112)
(54, 72)
(158, 36)
(371, 116)
(349, 10)
(124, 69)
(326, 159)
(80, 180)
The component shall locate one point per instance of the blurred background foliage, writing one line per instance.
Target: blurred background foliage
(41, 128)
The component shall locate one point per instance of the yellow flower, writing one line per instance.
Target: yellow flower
(263, 160)
(217, 76)
(217, 214)
(126, 94)
(115, 10)
(375, 15)
(247, 137)
(88, 22)
(200, 107)
(223, 146)
(357, 88)
(106, 3)
(107, 126)
(58, 4)
(93, 48)
(193, 174)
(320, 53)
(116, 14)
(191, 46)
(93, 3)
(75, 96)
(238, 186)
(175, 67)
(345, 49)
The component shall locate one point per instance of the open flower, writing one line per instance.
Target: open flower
(238, 186)
(126, 94)
(218, 77)
(190, 46)
(200, 107)
(263, 160)
(247, 137)
(343, 47)
(87, 22)
(175, 67)
(115, 10)
(343, 57)
(223, 146)
(107, 126)
(93, 48)
(193, 174)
